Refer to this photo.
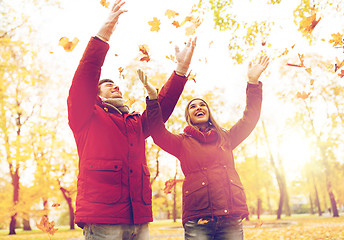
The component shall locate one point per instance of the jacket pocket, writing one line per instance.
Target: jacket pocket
(238, 194)
(195, 194)
(103, 178)
(146, 186)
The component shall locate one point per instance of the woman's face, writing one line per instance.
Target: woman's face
(198, 113)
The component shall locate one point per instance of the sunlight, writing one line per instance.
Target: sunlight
(294, 152)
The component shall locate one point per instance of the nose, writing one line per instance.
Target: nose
(116, 87)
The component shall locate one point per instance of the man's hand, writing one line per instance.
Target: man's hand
(109, 26)
(256, 70)
(184, 57)
(152, 93)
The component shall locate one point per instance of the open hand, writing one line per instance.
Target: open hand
(109, 26)
(184, 57)
(256, 70)
(152, 93)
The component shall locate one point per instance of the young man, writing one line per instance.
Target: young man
(113, 190)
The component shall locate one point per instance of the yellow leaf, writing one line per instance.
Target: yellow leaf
(337, 39)
(308, 24)
(171, 14)
(104, 3)
(155, 24)
(67, 45)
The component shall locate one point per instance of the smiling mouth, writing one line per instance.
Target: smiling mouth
(199, 114)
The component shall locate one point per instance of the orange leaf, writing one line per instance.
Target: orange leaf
(56, 205)
(337, 39)
(258, 224)
(201, 221)
(341, 74)
(171, 14)
(308, 24)
(338, 64)
(169, 184)
(303, 95)
(155, 24)
(47, 226)
(104, 3)
(176, 24)
(309, 70)
(145, 58)
(68, 45)
(311, 81)
(144, 51)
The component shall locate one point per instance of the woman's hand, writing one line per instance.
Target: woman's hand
(256, 70)
(184, 57)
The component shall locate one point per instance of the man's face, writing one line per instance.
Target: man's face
(109, 90)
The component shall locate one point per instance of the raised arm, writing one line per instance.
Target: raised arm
(242, 129)
(84, 88)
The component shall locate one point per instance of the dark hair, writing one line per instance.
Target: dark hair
(103, 81)
(220, 131)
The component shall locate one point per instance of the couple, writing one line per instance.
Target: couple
(114, 196)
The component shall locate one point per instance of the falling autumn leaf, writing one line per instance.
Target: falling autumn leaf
(169, 184)
(144, 51)
(171, 57)
(56, 205)
(104, 3)
(337, 39)
(68, 45)
(338, 64)
(308, 24)
(302, 95)
(309, 70)
(176, 24)
(155, 24)
(201, 221)
(311, 82)
(47, 226)
(341, 74)
(190, 30)
(192, 77)
(171, 14)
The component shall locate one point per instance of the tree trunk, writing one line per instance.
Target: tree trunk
(15, 184)
(67, 196)
(259, 207)
(279, 178)
(311, 203)
(26, 222)
(328, 182)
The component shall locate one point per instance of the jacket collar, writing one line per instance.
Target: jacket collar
(203, 137)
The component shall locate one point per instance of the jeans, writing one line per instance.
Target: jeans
(218, 228)
(93, 231)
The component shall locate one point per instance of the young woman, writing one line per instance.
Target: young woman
(214, 201)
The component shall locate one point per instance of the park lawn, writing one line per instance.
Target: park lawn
(289, 228)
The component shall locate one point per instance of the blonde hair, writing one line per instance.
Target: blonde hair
(223, 144)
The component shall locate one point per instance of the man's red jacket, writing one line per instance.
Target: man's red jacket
(113, 181)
